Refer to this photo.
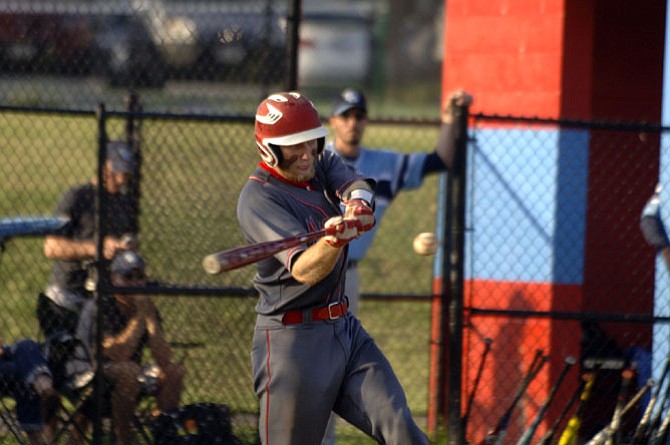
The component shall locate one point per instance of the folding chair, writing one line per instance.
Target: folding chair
(78, 411)
(9, 419)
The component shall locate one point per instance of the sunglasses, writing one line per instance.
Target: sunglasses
(133, 275)
(356, 114)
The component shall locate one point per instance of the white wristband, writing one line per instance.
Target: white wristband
(362, 194)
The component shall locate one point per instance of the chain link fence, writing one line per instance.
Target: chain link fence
(191, 172)
(530, 280)
(556, 262)
(199, 56)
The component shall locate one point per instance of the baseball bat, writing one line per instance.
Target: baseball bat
(237, 257)
(548, 437)
(466, 416)
(661, 435)
(571, 432)
(626, 379)
(640, 435)
(602, 436)
(497, 434)
(527, 435)
(655, 421)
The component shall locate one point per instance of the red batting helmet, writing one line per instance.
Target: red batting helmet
(286, 119)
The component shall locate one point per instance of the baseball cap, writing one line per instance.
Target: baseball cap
(121, 157)
(349, 98)
(126, 262)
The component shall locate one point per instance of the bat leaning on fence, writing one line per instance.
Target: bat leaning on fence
(660, 434)
(641, 435)
(466, 417)
(627, 376)
(656, 417)
(527, 435)
(497, 434)
(602, 436)
(571, 432)
(548, 437)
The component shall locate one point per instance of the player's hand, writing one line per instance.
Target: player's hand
(345, 230)
(112, 244)
(129, 242)
(361, 211)
(458, 98)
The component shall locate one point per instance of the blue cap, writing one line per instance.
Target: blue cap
(349, 98)
(121, 157)
(126, 262)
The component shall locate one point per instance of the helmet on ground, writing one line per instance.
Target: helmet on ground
(286, 119)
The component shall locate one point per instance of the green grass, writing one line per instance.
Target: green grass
(192, 173)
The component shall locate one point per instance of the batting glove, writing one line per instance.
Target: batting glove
(345, 230)
(361, 211)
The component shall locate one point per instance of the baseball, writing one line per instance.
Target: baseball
(425, 243)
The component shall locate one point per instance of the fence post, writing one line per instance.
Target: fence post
(292, 39)
(103, 281)
(134, 140)
(454, 271)
(436, 391)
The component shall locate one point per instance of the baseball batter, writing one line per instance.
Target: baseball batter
(310, 355)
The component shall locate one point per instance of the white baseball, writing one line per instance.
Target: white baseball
(425, 243)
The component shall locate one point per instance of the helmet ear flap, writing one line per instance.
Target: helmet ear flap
(271, 154)
(276, 154)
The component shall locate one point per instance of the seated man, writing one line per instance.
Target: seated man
(129, 323)
(25, 376)
(74, 248)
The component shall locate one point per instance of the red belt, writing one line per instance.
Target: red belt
(331, 312)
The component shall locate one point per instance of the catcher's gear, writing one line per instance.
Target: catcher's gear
(346, 230)
(286, 119)
(361, 211)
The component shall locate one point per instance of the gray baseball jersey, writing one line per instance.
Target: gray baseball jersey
(302, 371)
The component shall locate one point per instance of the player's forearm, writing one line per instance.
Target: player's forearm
(446, 144)
(665, 254)
(315, 263)
(158, 344)
(121, 347)
(60, 248)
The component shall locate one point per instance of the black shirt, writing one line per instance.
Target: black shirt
(78, 205)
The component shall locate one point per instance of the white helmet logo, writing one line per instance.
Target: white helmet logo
(271, 118)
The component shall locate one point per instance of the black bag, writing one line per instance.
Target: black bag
(199, 423)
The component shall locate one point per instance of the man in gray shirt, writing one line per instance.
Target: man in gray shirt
(310, 356)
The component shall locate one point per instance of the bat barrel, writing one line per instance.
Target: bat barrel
(237, 257)
(212, 265)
